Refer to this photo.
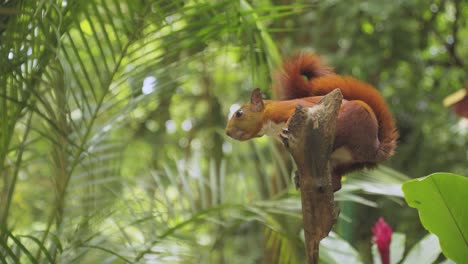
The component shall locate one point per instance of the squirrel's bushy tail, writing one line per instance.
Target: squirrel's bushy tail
(305, 75)
(293, 79)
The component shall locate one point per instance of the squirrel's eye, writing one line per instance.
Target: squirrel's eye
(239, 113)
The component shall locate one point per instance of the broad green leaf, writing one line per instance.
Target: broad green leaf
(425, 251)
(441, 201)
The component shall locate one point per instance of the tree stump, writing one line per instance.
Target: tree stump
(309, 139)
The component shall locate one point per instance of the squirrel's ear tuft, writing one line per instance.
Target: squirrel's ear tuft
(256, 100)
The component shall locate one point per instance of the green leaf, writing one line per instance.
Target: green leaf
(334, 249)
(447, 261)
(425, 251)
(397, 248)
(441, 201)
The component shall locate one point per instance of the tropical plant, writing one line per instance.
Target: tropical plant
(440, 199)
(72, 75)
(111, 134)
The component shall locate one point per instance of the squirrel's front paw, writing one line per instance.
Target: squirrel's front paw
(284, 136)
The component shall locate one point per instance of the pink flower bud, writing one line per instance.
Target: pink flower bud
(382, 237)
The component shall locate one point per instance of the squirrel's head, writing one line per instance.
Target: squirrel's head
(247, 122)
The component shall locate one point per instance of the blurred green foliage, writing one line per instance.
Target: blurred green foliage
(112, 113)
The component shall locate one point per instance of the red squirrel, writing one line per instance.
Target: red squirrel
(365, 131)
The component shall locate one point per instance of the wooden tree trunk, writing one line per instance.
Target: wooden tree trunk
(309, 139)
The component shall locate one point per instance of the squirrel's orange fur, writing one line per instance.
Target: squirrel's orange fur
(365, 132)
(305, 75)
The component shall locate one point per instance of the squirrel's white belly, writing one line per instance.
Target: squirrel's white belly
(341, 155)
(271, 128)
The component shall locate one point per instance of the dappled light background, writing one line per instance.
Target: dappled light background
(112, 115)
